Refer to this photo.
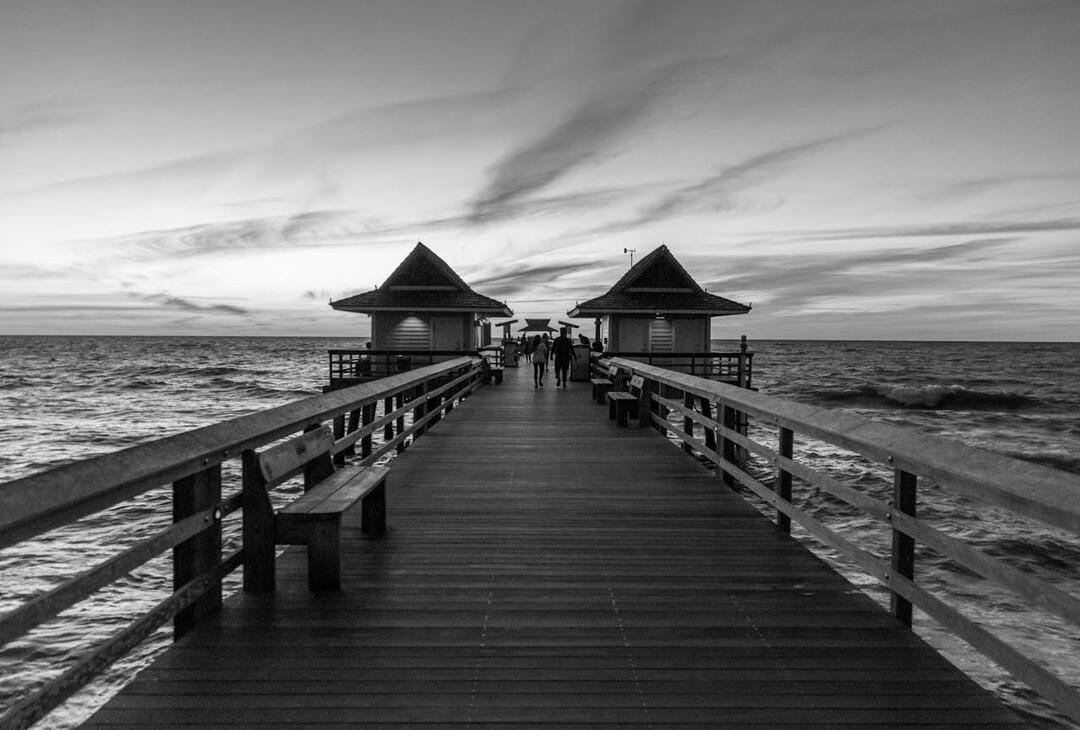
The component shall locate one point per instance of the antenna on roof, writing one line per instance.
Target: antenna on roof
(630, 251)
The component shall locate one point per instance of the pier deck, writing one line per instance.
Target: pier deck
(546, 567)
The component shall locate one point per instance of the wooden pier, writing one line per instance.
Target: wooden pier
(546, 567)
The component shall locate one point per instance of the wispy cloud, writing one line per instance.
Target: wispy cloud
(310, 229)
(587, 133)
(961, 228)
(174, 302)
(38, 116)
(723, 191)
(511, 280)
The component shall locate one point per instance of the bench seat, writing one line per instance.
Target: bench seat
(621, 405)
(600, 387)
(314, 519)
(625, 403)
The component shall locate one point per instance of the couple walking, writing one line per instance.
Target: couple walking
(560, 349)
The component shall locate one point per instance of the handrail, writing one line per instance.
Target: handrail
(719, 411)
(192, 463)
(352, 364)
(42, 501)
(1047, 495)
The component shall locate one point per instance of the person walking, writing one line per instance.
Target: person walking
(562, 350)
(539, 361)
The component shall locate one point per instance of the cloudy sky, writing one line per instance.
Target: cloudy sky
(854, 169)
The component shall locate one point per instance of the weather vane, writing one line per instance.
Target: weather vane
(631, 252)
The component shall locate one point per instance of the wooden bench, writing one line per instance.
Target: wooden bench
(624, 403)
(601, 386)
(497, 374)
(313, 519)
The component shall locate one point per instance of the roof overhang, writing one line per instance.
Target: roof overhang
(583, 313)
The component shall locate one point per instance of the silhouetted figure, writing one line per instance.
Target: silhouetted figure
(539, 361)
(562, 350)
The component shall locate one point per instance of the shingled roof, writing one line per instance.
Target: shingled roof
(423, 282)
(657, 284)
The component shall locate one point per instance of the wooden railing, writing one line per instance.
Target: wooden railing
(349, 367)
(726, 367)
(192, 463)
(711, 413)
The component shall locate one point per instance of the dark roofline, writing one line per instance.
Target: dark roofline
(367, 302)
(711, 305)
(444, 268)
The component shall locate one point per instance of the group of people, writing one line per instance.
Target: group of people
(540, 349)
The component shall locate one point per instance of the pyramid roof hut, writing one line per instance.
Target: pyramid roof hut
(537, 325)
(425, 306)
(657, 306)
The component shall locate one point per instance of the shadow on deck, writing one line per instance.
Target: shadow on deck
(546, 567)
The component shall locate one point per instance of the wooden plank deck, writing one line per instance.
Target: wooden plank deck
(544, 567)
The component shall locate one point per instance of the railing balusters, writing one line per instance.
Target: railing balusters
(903, 545)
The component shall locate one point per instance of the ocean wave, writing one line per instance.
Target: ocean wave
(926, 397)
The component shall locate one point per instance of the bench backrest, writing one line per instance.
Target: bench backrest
(613, 371)
(636, 383)
(308, 453)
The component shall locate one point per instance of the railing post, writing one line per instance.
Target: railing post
(421, 408)
(727, 446)
(688, 423)
(743, 383)
(354, 423)
(339, 433)
(399, 401)
(258, 529)
(367, 415)
(662, 411)
(198, 555)
(783, 479)
(388, 408)
(710, 433)
(903, 546)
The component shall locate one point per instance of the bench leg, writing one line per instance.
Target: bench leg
(373, 512)
(324, 557)
(622, 409)
(612, 409)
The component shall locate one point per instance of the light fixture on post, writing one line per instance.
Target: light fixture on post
(631, 252)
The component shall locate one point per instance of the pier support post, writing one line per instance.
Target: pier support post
(903, 546)
(783, 479)
(198, 555)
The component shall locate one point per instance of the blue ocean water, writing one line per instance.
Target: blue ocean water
(67, 398)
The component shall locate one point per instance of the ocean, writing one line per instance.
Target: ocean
(68, 398)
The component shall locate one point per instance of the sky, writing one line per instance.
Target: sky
(855, 169)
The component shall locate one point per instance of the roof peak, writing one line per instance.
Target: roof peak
(657, 269)
(424, 267)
